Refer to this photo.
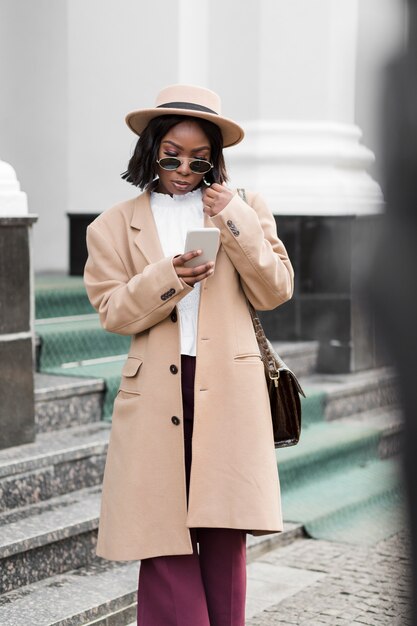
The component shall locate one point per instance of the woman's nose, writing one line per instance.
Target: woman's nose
(184, 168)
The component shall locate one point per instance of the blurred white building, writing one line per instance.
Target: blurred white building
(302, 76)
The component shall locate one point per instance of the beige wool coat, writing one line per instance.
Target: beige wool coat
(234, 479)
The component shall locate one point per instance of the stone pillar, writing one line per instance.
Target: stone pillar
(304, 155)
(16, 314)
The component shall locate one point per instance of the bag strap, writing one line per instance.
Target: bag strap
(263, 343)
(270, 358)
(266, 355)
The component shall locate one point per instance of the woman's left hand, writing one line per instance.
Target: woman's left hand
(215, 198)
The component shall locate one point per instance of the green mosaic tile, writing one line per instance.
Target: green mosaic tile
(312, 407)
(326, 447)
(358, 503)
(60, 296)
(376, 518)
(67, 342)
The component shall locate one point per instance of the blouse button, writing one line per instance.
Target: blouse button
(173, 369)
(175, 420)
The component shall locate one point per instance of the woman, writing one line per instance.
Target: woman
(191, 459)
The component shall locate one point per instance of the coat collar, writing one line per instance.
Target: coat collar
(147, 238)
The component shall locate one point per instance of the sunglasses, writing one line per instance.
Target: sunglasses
(198, 166)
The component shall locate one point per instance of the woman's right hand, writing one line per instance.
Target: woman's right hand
(192, 275)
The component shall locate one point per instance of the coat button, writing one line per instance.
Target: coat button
(233, 228)
(175, 420)
(173, 369)
(174, 316)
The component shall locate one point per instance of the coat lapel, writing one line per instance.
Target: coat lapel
(146, 238)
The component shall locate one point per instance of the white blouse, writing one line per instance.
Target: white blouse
(174, 216)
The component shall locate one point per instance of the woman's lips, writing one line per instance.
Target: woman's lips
(178, 184)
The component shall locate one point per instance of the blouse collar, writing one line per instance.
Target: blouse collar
(191, 199)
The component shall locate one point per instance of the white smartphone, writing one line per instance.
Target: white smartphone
(205, 239)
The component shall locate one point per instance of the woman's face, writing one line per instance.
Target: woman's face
(185, 141)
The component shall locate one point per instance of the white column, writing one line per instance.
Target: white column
(14, 204)
(304, 153)
(13, 201)
(193, 40)
(17, 347)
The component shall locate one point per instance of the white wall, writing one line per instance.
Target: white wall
(34, 114)
(117, 63)
(234, 52)
(71, 69)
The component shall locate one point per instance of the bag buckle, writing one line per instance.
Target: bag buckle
(274, 377)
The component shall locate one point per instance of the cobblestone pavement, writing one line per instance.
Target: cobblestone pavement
(366, 585)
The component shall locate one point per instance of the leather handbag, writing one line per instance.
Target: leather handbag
(283, 387)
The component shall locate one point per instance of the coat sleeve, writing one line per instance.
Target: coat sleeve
(249, 237)
(129, 305)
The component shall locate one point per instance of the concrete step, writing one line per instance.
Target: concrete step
(66, 401)
(47, 531)
(329, 397)
(47, 467)
(56, 463)
(48, 538)
(102, 593)
(297, 355)
(327, 447)
(359, 504)
(66, 525)
(334, 396)
(300, 356)
(389, 421)
(106, 369)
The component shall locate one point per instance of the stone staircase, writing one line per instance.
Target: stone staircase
(343, 470)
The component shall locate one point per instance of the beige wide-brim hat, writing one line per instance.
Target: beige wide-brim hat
(191, 101)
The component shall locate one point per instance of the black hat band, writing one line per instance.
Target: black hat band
(186, 105)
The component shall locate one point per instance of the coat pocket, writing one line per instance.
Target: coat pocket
(130, 374)
(248, 357)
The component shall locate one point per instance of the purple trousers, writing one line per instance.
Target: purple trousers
(208, 587)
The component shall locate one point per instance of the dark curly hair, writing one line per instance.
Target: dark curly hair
(142, 167)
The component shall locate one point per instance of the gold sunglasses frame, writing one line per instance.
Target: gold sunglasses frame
(190, 159)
